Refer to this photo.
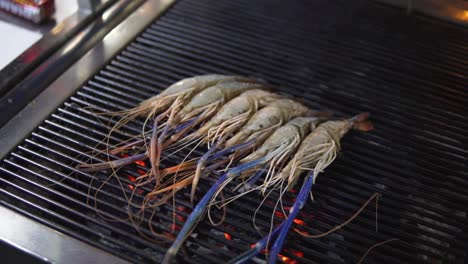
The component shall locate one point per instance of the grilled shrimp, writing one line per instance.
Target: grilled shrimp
(280, 145)
(174, 95)
(234, 114)
(214, 97)
(316, 152)
(201, 107)
(262, 123)
(319, 149)
(274, 151)
(182, 90)
(229, 119)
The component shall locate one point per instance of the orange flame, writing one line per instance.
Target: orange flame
(299, 221)
(227, 236)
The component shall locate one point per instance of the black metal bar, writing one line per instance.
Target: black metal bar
(27, 61)
(23, 93)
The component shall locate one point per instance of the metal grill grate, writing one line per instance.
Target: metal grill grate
(409, 72)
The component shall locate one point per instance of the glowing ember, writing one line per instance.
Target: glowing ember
(180, 218)
(227, 236)
(279, 214)
(299, 221)
(141, 172)
(131, 187)
(131, 178)
(297, 253)
(286, 259)
(141, 163)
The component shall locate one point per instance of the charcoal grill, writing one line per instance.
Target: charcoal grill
(408, 71)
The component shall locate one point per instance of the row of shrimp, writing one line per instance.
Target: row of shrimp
(264, 141)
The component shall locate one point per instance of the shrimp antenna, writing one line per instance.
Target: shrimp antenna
(111, 164)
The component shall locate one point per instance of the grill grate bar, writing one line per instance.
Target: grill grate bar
(298, 30)
(347, 57)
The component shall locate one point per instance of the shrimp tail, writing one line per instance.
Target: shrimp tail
(298, 204)
(111, 164)
(361, 123)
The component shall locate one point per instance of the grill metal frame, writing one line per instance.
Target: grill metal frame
(413, 187)
(22, 232)
(71, 80)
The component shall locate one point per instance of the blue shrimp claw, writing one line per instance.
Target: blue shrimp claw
(200, 209)
(300, 201)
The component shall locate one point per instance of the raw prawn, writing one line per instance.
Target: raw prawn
(316, 152)
(260, 126)
(228, 120)
(201, 107)
(233, 115)
(291, 138)
(221, 88)
(182, 90)
(262, 123)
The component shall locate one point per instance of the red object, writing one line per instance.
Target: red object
(34, 10)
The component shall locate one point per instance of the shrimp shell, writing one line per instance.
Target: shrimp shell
(215, 96)
(185, 87)
(276, 149)
(271, 116)
(298, 127)
(236, 112)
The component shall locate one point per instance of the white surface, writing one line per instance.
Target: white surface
(18, 34)
(16, 40)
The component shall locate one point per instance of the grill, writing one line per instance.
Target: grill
(408, 71)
